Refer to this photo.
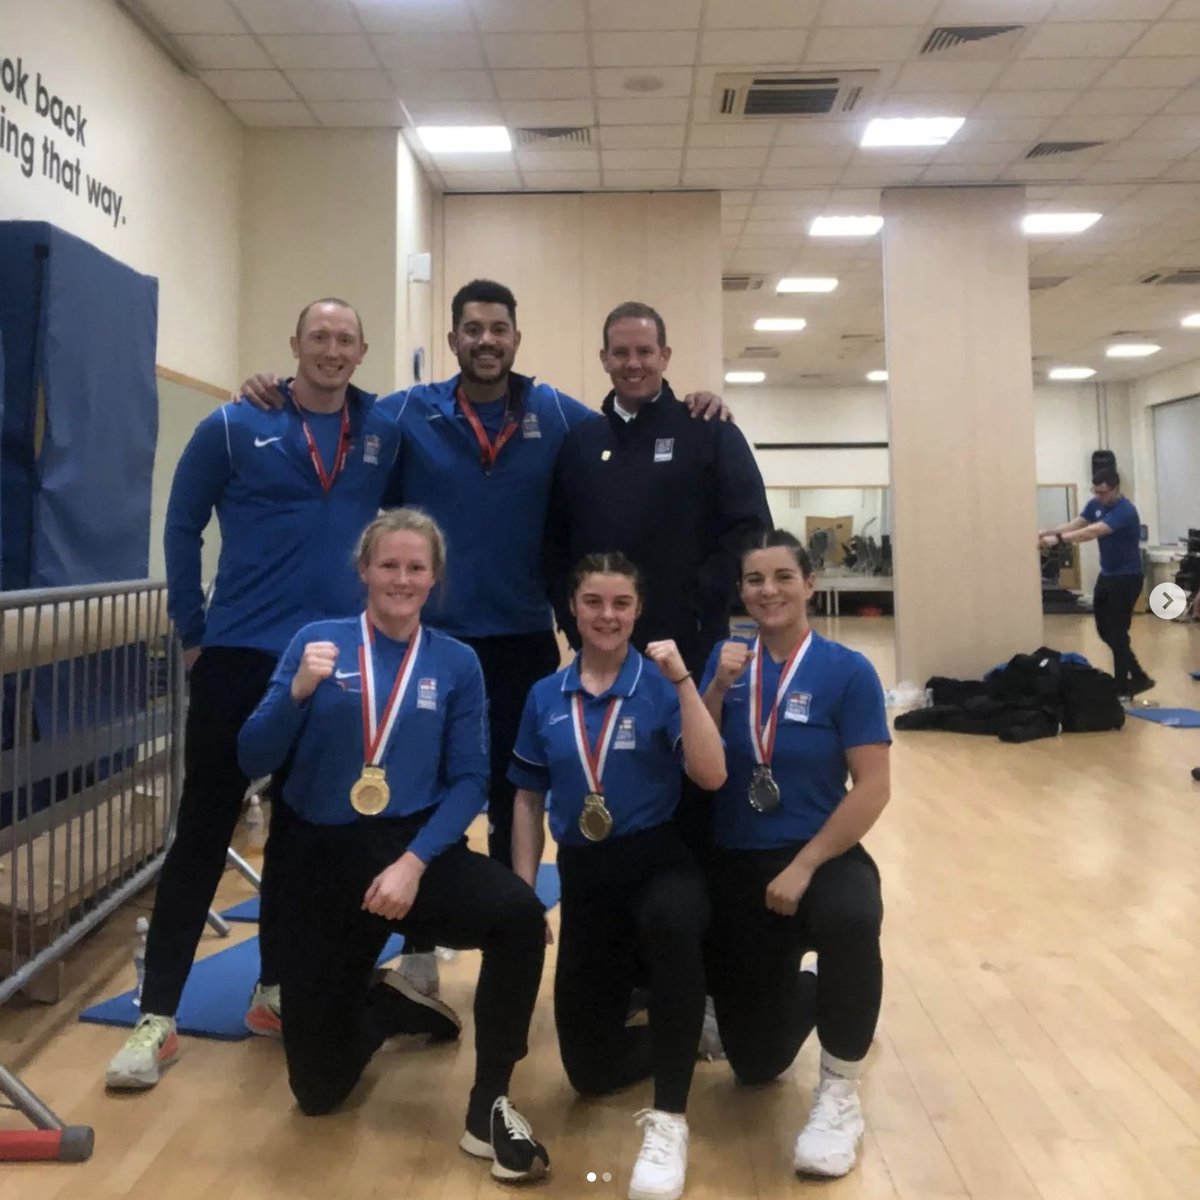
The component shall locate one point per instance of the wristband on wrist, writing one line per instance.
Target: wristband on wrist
(682, 679)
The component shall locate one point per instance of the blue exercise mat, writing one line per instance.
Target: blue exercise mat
(1177, 718)
(1196, 674)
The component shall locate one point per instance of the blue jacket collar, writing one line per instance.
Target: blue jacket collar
(443, 394)
(625, 683)
(355, 397)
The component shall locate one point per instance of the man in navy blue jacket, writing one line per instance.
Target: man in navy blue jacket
(292, 489)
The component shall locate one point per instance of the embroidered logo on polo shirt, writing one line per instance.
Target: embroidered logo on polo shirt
(664, 449)
(626, 737)
(530, 427)
(427, 694)
(371, 445)
(797, 706)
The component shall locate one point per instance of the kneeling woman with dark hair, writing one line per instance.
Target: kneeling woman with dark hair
(797, 713)
(387, 724)
(602, 738)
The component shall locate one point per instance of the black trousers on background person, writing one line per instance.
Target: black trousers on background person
(225, 686)
(631, 906)
(766, 1007)
(512, 664)
(329, 947)
(1112, 606)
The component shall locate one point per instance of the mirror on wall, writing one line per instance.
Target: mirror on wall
(1056, 505)
(847, 529)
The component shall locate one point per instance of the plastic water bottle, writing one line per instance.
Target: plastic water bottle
(255, 823)
(141, 929)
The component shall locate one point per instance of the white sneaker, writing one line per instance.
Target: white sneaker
(661, 1166)
(828, 1143)
(152, 1045)
(421, 970)
(264, 1013)
(710, 1048)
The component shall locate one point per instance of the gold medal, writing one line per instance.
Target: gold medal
(595, 822)
(370, 793)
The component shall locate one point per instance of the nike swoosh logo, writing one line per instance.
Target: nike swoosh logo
(559, 717)
(260, 442)
(346, 674)
(734, 686)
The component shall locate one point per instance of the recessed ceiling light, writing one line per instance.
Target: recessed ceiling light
(1191, 321)
(805, 283)
(1064, 373)
(464, 139)
(911, 131)
(845, 226)
(780, 324)
(1132, 350)
(643, 83)
(877, 377)
(745, 376)
(1070, 222)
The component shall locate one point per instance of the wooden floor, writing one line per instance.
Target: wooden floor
(1040, 1035)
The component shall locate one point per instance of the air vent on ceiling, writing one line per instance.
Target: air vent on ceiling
(760, 352)
(1177, 275)
(742, 283)
(1051, 149)
(779, 94)
(1043, 283)
(963, 42)
(863, 339)
(553, 135)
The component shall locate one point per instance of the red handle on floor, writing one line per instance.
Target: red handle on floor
(72, 1144)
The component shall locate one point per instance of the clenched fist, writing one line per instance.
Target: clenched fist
(665, 655)
(735, 657)
(316, 664)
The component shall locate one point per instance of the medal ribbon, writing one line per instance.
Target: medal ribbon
(376, 733)
(327, 478)
(762, 733)
(593, 761)
(489, 451)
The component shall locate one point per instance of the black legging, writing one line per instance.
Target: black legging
(330, 947)
(1112, 606)
(765, 1006)
(631, 906)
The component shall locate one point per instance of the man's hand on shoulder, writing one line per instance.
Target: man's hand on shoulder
(260, 390)
(707, 405)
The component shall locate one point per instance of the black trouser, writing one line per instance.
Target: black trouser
(627, 902)
(225, 686)
(1112, 605)
(512, 664)
(330, 946)
(765, 1006)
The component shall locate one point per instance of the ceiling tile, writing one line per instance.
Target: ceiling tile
(562, 181)
(637, 14)
(567, 83)
(1109, 10)
(1091, 128)
(1024, 104)
(610, 81)
(819, 133)
(284, 113)
(298, 16)
(639, 180)
(1147, 150)
(360, 114)
(454, 112)
(878, 12)
(926, 104)
(641, 160)
(551, 158)
(639, 137)
(327, 52)
(947, 173)
(676, 48)
(481, 181)
(536, 49)
(186, 16)
(751, 133)
(981, 152)
(1170, 127)
(761, 47)
(416, 16)
(1184, 10)
(945, 76)
(1184, 102)
(549, 112)
(747, 158)
(529, 16)
(885, 175)
(1122, 102)
(760, 14)
(1170, 38)
(810, 156)
(475, 164)
(1049, 74)
(801, 177)
(1188, 171)
(1151, 72)
(849, 46)
(1091, 39)
(418, 86)
(1003, 129)
(643, 112)
(992, 12)
(1115, 171)
(343, 85)
(427, 51)
(217, 51)
(248, 85)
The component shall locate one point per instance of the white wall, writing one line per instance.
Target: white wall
(156, 137)
(1160, 388)
(416, 324)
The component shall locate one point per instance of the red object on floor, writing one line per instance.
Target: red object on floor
(73, 1144)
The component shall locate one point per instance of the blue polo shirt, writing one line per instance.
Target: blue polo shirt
(835, 702)
(436, 758)
(493, 518)
(286, 544)
(1120, 551)
(642, 778)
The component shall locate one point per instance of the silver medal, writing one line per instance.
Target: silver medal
(764, 791)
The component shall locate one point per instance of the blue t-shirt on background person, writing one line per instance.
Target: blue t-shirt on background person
(1120, 551)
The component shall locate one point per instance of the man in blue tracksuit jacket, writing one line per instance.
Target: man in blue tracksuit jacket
(292, 489)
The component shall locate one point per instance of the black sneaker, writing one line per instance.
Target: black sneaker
(1196, 774)
(403, 1010)
(516, 1155)
(1143, 683)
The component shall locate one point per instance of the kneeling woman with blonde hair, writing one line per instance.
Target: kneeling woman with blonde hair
(385, 724)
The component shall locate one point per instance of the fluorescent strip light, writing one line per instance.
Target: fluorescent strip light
(1064, 373)
(1191, 321)
(1047, 222)
(845, 226)
(803, 283)
(465, 139)
(745, 376)
(1132, 350)
(877, 377)
(779, 324)
(911, 131)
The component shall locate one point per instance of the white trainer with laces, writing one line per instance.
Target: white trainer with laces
(152, 1045)
(661, 1167)
(421, 970)
(828, 1143)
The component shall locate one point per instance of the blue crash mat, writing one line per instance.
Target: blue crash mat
(1177, 718)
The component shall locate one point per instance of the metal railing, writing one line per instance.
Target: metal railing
(91, 766)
